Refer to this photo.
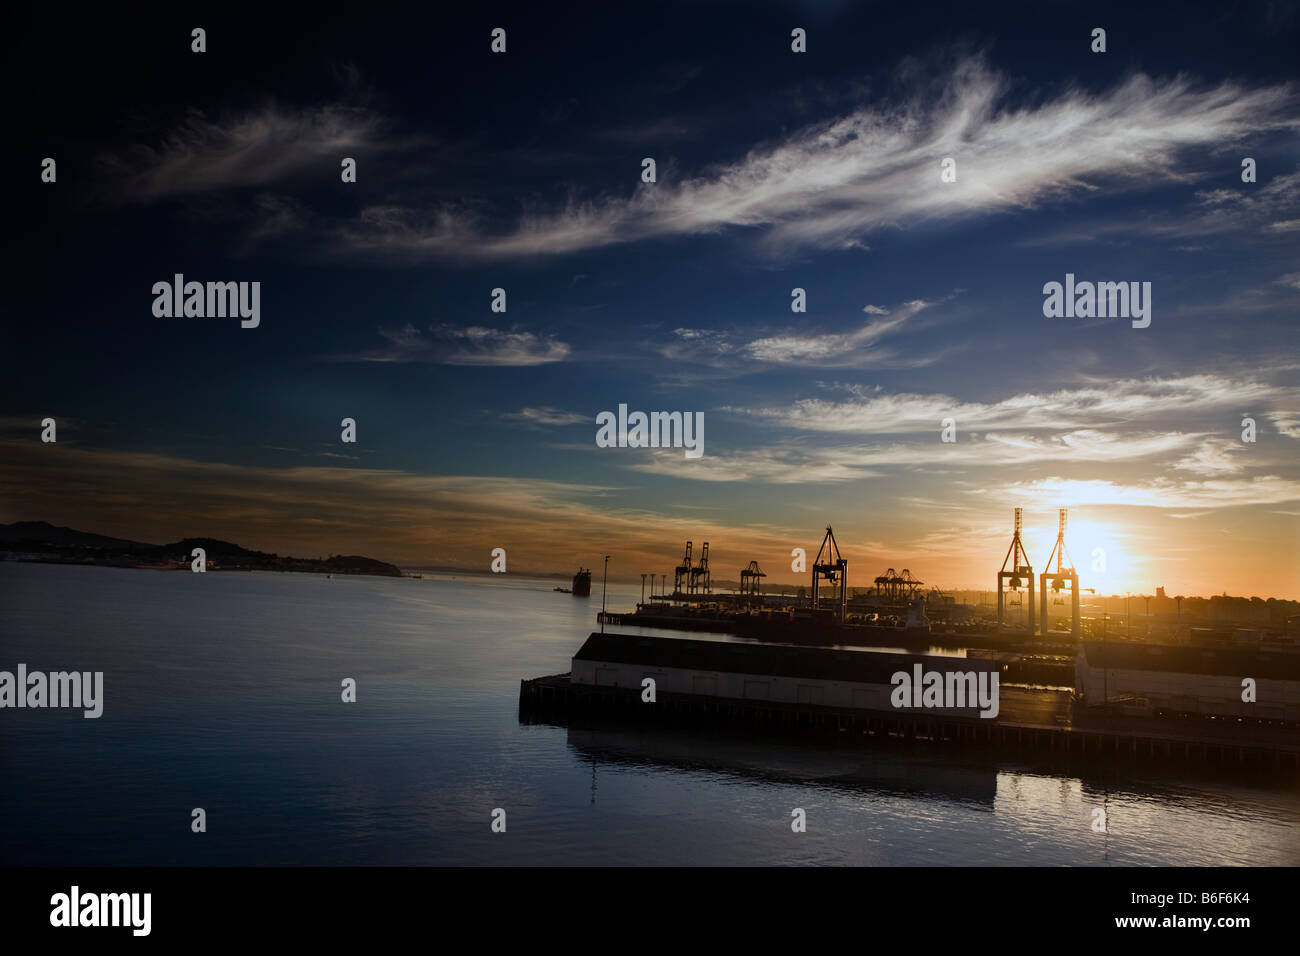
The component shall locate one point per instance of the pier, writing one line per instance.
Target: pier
(1032, 725)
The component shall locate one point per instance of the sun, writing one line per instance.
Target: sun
(1100, 557)
(1096, 548)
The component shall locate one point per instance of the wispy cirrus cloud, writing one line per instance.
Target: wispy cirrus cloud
(251, 148)
(828, 349)
(464, 345)
(1269, 209)
(548, 416)
(1163, 493)
(389, 513)
(834, 182)
(777, 464)
(860, 347)
(874, 411)
(1215, 456)
(1286, 422)
(802, 463)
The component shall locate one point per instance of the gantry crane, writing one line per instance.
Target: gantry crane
(699, 575)
(751, 582)
(832, 566)
(1021, 573)
(682, 573)
(1064, 574)
(894, 588)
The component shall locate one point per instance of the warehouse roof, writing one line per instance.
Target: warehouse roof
(1225, 660)
(775, 660)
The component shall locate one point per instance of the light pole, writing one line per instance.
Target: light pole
(1105, 670)
(604, 580)
(643, 589)
(1105, 690)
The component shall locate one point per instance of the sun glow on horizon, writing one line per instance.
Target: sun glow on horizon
(1098, 549)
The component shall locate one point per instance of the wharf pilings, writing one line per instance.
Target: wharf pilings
(1137, 739)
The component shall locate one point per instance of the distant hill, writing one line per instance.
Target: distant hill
(215, 548)
(50, 543)
(42, 532)
(357, 564)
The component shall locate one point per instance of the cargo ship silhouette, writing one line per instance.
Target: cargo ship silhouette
(582, 583)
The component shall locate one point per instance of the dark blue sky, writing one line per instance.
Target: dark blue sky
(775, 170)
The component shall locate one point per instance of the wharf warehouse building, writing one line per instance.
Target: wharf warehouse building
(1181, 679)
(818, 676)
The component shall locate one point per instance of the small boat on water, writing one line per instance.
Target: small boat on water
(582, 583)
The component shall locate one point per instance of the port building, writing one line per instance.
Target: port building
(820, 676)
(1183, 679)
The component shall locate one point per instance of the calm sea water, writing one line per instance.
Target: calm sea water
(223, 692)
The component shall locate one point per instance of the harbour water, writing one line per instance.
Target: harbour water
(222, 691)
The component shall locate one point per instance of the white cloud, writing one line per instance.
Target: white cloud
(253, 148)
(1249, 211)
(391, 514)
(1160, 493)
(858, 348)
(1217, 456)
(828, 349)
(796, 462)
(468, 345)
(548, 416)
(1286, 422)
(875, 412)
(834, 182)
(781, 465)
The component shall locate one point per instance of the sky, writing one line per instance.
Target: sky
(774, 171)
